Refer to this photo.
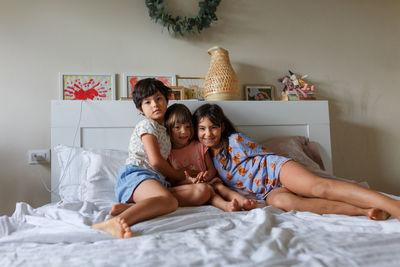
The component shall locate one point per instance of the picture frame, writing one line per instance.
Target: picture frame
(193, 86)
(131, 79)
(87, 86)
(178, 93)
(260, 92)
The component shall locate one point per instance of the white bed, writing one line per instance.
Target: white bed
(59, 234)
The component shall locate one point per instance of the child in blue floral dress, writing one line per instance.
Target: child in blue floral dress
(243, 164)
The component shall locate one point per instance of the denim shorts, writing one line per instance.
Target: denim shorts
(130, 176)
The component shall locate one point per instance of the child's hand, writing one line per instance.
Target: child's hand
(193, 180)
(204, 176)
(192, 173)
(207, 176)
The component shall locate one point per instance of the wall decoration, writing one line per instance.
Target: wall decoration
(260, 92)
(296, 88)
(130, 81)
(193, 86)
(87, 86)
(178, 93)
(182, 24)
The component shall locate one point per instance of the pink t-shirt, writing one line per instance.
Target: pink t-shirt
(190, 157)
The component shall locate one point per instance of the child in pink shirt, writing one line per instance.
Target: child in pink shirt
(193, 157)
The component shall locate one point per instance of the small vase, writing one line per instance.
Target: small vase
(221, 82)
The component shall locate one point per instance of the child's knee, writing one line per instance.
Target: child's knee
(171, 202)
(202, 193)
(280, 201)
(321, 189)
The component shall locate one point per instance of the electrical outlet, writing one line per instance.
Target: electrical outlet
(40, 156)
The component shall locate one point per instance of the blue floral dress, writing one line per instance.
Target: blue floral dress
(251, 166)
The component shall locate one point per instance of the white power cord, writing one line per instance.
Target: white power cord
(69, 156)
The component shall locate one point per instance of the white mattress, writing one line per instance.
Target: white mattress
(60, 235)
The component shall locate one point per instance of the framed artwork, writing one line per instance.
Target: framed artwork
(130, 81)
(87, 86)
(260, 92)
(193, 86)
(178, 93)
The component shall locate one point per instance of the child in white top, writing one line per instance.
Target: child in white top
(142, 188)
(193, 157)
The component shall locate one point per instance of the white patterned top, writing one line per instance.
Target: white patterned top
(137, 154)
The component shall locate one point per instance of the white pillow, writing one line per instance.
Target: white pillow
(102, 174)
(88, 174)
(73, 166)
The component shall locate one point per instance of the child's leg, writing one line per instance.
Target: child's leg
(191, 194)
(118, 208)
(300, 181)
(187, 195)
(151, 200)
(198, 194)
(283, 199)
(218, 202)
(226, 193)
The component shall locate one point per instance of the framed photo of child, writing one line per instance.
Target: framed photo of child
(178, 93)
(260, 92)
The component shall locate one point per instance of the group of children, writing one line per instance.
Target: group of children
(174, 159)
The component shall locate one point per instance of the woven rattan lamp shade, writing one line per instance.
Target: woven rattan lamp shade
(221, 82)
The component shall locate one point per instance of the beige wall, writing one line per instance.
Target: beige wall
(350, 49)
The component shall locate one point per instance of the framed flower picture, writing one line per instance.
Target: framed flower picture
(130, 81)
(87, 86)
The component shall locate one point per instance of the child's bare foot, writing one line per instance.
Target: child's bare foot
(118, 208)
(232, 205)
(249, 204)
(377, 214)
(116, 227)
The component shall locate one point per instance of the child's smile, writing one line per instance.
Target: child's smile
(209, 134)
(181, 134)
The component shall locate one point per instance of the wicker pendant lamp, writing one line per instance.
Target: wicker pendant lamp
(221, 82)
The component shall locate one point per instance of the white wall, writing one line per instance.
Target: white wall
(350, 49)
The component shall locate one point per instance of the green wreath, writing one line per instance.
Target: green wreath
(180, 25)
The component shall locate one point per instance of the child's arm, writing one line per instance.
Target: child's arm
(157, 161)
(211, 171)
(189, 177)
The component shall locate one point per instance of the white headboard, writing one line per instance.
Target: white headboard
(109, 124)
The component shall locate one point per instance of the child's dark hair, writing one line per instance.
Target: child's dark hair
(178, 113)
(148, 87)
(216, 115)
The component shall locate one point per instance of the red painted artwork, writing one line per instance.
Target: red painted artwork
(132, 80)
(87, 87)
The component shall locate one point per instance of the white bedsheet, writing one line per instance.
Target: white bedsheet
(60, 235)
